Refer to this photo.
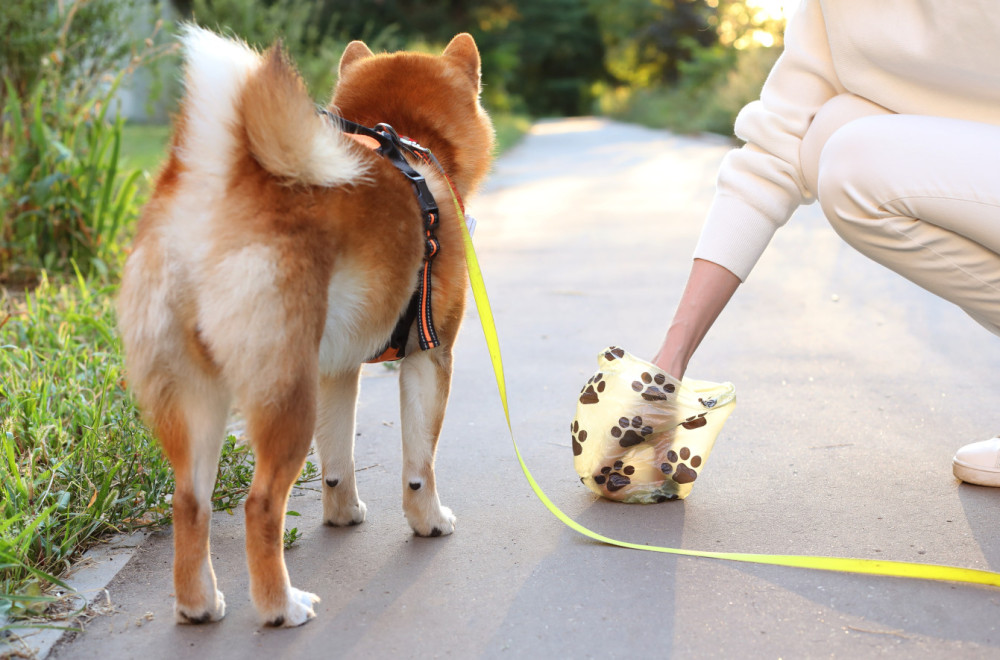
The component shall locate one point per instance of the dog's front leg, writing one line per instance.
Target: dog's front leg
(425, 381)
(338, 398)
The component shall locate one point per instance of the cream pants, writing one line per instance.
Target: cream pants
(919, 195)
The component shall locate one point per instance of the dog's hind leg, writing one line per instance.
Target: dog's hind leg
(280, 430)
(190, 424)
(424, 385)
(337, 404)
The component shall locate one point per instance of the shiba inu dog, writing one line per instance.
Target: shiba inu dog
(275, 256)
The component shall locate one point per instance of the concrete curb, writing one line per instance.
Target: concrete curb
(89, 579)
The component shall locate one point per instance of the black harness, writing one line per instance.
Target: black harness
(392, 147)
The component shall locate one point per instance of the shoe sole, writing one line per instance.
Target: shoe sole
(976, 476)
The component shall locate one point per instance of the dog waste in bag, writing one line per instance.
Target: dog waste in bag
(641, 436)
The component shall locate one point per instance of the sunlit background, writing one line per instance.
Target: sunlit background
(757, 13)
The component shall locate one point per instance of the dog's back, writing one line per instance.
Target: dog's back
(236, 250)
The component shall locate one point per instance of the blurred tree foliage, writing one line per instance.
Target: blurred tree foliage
(712, 79)
(64, 193)
(75, 46)
(647, 40)
(315, 33)
(539, 56)
(559, 54)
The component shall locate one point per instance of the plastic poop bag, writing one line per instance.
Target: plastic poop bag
(639, 435)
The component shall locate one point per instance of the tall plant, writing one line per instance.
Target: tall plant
(63, 194)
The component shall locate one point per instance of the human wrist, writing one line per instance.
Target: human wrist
(672, 366)
(709, 288)
(672, 358)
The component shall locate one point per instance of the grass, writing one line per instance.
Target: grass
(510, 129)
(75, 460)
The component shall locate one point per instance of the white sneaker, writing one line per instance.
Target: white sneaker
(979, 463)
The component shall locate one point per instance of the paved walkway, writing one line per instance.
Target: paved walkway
(854, 390)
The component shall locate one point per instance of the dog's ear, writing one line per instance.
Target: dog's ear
(463, 52)
(356, 50)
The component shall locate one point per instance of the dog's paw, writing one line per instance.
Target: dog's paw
(213, 612)
(298, 609)
(439, 523)
(352, 514)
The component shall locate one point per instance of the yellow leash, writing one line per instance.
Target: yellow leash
(842, 564)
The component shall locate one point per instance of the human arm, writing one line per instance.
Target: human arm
(761, 184)
(709, 288)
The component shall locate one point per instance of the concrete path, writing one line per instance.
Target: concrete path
(854, 387)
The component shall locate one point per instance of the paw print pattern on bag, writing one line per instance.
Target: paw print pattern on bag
(695, 422)
(613, 352)
(653, 392)
(648, 436)
(615, 477)
(676, 467)
(589, 393)
(579, 436)
(630, 432)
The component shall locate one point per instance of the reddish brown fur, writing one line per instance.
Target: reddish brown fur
(312, 230)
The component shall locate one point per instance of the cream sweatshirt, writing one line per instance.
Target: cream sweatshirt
(925, 57)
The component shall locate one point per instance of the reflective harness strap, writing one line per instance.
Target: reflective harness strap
(392, 147)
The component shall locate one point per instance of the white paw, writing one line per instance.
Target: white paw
(298, 609)
(214, 612)
(353, 514)
(440, 522)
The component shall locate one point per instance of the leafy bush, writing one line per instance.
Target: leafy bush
(560, 53)
(647, 40)
(712, 76)
(63, 196)
(63, 192)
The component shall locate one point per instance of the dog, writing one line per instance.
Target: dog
(275, 256)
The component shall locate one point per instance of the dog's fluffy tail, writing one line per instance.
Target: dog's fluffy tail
(237, 99)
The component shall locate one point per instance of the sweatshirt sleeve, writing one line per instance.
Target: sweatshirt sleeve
(760, 185)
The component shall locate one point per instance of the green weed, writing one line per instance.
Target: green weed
(75, 460)
(291, 535)
(63, 193)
